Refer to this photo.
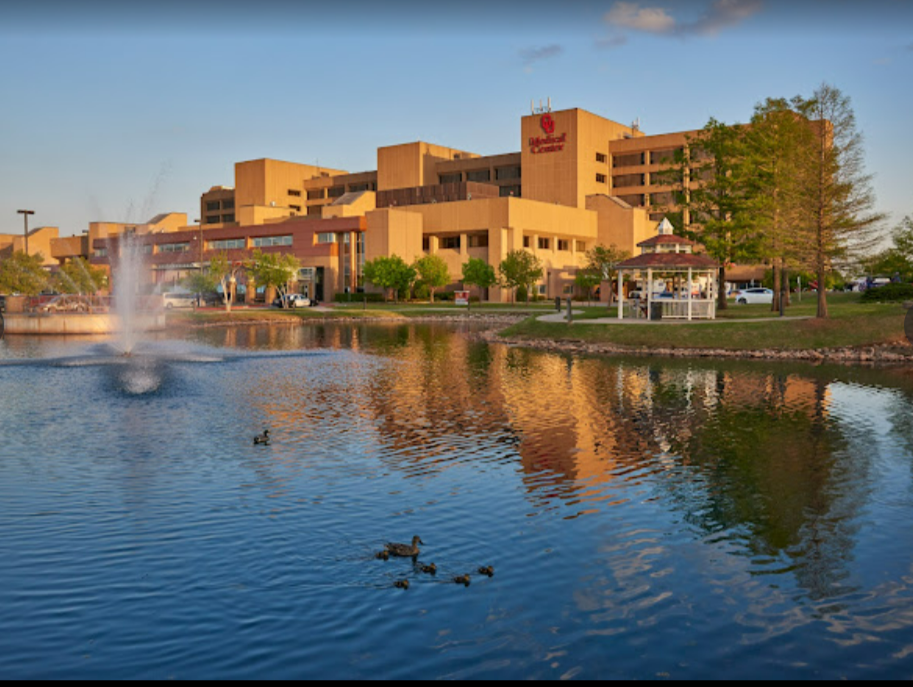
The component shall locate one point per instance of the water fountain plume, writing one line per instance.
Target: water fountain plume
(126, 279)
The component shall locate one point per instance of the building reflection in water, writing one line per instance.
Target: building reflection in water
(749, 450)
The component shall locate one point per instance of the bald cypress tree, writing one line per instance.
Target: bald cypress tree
(838, 219)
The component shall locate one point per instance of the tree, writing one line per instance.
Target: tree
(775, 142)
(274, 269)
(389, 273)
(199, 282)
(603, 261)
(433, 273)
(23, 274)
(838, 219)
(714, 171)
(225, 273)
(520, 268)
(588, 279)
(477, 272)
(78, 276)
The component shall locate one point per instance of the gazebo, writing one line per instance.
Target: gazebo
(671, 258)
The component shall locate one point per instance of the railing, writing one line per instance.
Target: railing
(673, 308)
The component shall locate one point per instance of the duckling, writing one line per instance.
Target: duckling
(262, 438)
(430, 568)
(486, 570)
(462, 579)
(405, 550)
(382, 555)
(401, 584)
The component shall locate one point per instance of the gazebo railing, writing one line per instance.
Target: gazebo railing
(701, 309)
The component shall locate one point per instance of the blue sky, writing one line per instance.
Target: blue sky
(117, 111)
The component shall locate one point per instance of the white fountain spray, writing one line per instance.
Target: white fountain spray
(126, 277)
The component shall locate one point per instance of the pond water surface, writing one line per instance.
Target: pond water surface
(644, 518)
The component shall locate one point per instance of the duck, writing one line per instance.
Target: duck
(406, 550)
(382, 555)
(262, 438)
(431, 568)
(462, 579)
(401, 584)
(486, 570)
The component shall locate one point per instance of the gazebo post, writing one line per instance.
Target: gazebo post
(621, 297)
(689, 294)
(649, 293)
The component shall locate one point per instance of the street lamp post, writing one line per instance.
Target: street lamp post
(25, 216)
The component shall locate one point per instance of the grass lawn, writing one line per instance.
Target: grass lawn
(851, 323)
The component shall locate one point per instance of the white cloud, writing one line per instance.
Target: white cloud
(720, 15)
(629, 15)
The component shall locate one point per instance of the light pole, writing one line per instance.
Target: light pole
(25, 216)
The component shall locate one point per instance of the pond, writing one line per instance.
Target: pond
(644, 518)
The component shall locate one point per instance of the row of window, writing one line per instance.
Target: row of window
(656, 157)
(335, 191)
(481, 175)
(215, 219)
(227, 204)
(544, 243)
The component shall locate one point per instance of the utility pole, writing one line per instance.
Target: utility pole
(25, 216)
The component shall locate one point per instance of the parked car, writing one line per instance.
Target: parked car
(67, 302)
(294, 300)
(179, 300)
(756, 294)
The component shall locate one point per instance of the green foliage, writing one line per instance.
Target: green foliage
(222, 271)
(199, 282)
(273, 269)
(588, 279)
(390, 273)
(433, 273)
(522, 293)
(78, 276)
(477, 272)
(520, 268)
(888, 293)
(359, 297)
(23, 274)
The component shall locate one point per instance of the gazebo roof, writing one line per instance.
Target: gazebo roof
(670, 261)
(667, 238)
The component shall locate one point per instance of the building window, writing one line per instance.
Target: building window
(426, 243)
(526, 241)
(173, 247)
(228, 204)
(544, 243)
(101, 253)
(581, 246)
(264, 241)
(600, 178)
(315, 210)
(316, 194)
(658, 157)
(543, 290)
(479, 175)
(335, 191)
(147, 248)
(450, 242)
(226, 244)
(295, 207)
(478, 241)
(326, 237)
(509, 191)
(507, 173)
(563, 244)
(228, 218)
(600, 157)
(454, 178)
(628, 160)
(212, 219)
(306, 274)
(621, 180)
(353, 188)
(294, 192)
(212, 205)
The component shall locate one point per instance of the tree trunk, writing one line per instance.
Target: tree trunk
(777, 286)
(785, 278)
(721, 303)
(822, 295)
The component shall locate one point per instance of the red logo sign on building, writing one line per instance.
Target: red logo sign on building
(547, 123)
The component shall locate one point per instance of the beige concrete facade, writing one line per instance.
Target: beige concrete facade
(579, 180)
(40, 240)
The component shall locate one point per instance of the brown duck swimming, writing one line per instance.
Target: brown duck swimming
(383, 555)
(462, 579)
(486, 570)
(401, 584)
(406, 550)
(262, 438)
(430, 568)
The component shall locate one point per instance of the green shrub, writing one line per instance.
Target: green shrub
(521, 294)
(888, 293)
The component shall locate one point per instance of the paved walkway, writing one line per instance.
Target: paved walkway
(562, 317)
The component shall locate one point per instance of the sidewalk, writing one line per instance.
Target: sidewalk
(562, 317)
